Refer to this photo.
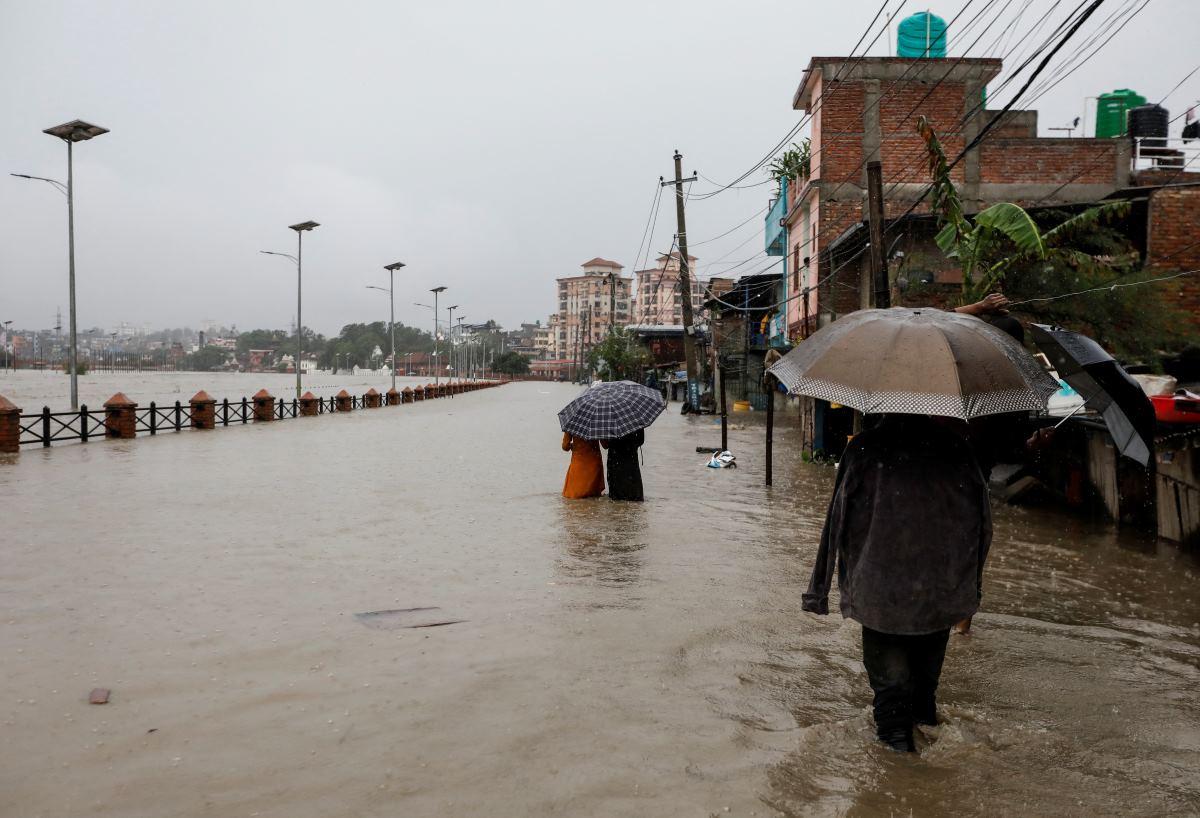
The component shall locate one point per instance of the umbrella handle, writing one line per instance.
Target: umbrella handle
(1068, 417)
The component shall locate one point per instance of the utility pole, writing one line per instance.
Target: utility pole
(584, 367)
(692, 402)
(612, 302)
(575, 357)
(879, 270)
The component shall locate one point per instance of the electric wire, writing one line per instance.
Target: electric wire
(796, 128)
(1104, 288)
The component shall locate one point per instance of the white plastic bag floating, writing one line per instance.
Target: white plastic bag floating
(723, 460)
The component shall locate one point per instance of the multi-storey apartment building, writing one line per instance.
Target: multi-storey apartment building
(659, 298)
(543, 339)
(588, 304)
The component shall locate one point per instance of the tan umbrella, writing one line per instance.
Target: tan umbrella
(919, 362)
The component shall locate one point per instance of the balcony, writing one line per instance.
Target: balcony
(776, 238)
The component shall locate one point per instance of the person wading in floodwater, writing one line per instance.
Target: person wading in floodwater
(908, 529)
(624, 473)
(909, 526)
(616, 413)
(585, 475)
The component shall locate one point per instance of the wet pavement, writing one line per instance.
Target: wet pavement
(613, 659)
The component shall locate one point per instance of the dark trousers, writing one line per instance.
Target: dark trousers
(904, 673)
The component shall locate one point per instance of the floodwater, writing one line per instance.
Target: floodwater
(33, 389)
(608, 659)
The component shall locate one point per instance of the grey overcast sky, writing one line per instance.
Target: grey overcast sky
(491, 146)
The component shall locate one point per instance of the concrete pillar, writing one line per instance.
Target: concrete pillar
(120, 417)
(371, 398)
(264, 405)
(308, 405)
(393, 397)
(407, 395)
(344, 401)
(204, 411)
(10, 426)
(429, 393)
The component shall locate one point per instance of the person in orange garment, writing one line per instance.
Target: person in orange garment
(585, 475)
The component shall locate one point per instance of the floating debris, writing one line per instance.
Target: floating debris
(99, 695)
(405, 618)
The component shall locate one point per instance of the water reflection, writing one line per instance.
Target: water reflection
(631, 659)
(602, 542)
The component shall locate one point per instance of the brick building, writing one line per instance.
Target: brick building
(1173, 239)
(866, 109)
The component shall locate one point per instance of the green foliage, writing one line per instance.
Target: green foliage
(794, 163)
(1056, 252)
(512, 363)
(206, 359)
(619, 357)
(261, 339)
(356, 342)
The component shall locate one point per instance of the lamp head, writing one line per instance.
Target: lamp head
(302, 226)
(396, 266)
(76, 131)
(438, 290)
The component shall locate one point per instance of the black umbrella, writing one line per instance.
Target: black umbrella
(606, 411)
(1105, 387)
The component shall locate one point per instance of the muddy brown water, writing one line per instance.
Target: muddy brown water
(616, 659)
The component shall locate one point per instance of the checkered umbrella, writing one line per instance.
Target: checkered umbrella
(610, 410)
(919, 362)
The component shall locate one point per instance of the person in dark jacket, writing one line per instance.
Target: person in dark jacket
(624, 473)
(908, 530)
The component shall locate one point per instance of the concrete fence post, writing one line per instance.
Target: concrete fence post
(264, 405)
(393, 397)
(204, 411)
(407, 395)
(10, 426)
(308, 405)
(371, 398)
(120, 417)
(344, 402)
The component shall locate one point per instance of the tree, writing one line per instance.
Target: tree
(356, 342)
(511, 363)
(794, 163)
(1052, 252)
(619, 357)
(206, 359)
(261, 339)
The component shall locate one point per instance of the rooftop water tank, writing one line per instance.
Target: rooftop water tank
(1111, 110)
(921, 35)
(1148, 124)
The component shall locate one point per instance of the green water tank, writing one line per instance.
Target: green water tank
(1112, 110)
(921, 35)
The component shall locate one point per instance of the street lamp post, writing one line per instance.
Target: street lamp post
(391, 291)
(435, 291)
(450, 338)
(7, 341)
(70, 132)
(461, 367)
(300, 229)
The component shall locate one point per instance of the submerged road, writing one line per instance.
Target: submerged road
(611, 659)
